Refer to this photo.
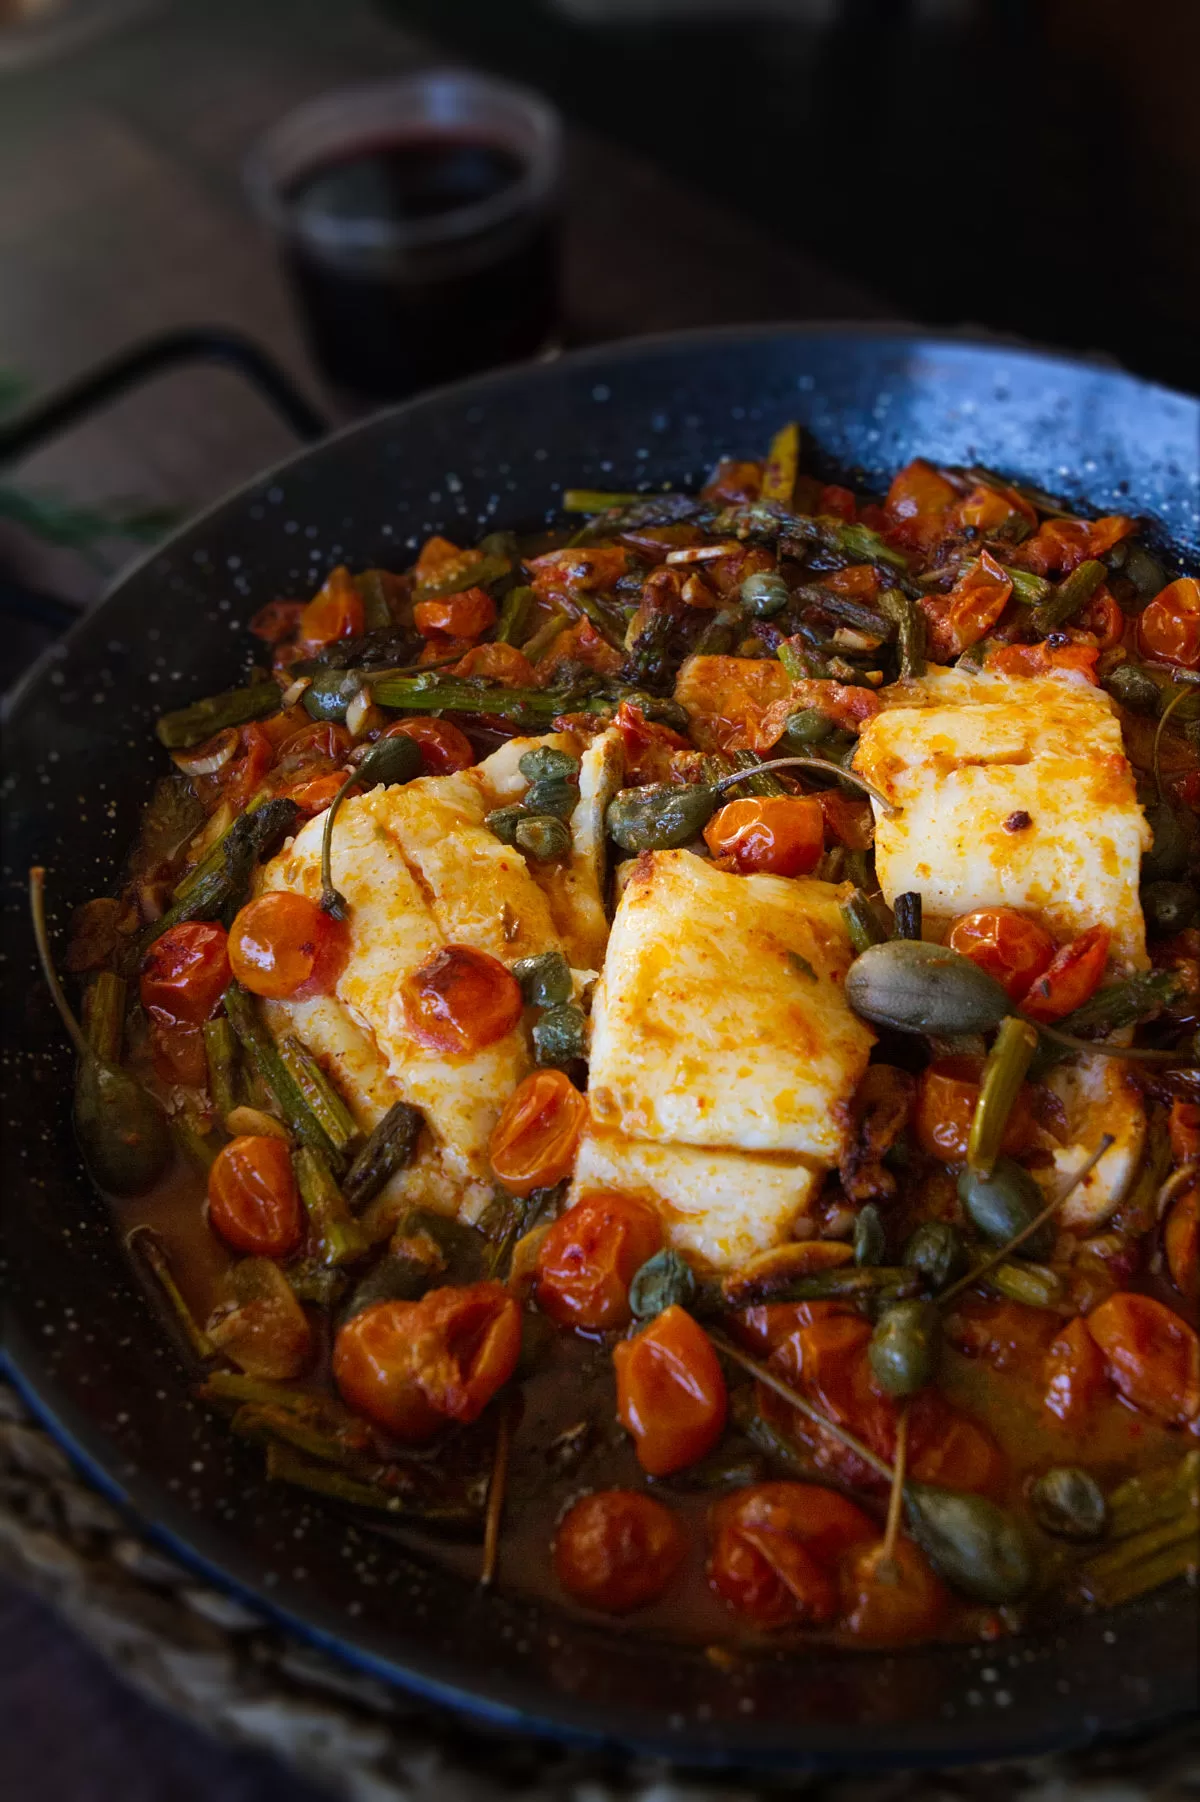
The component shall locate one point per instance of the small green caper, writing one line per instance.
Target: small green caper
(913, 986)
(1169, 907)
(1003, 1204)
(330, 693)
(560, 1035)
(503, 821)
(937, 1250)
(660, 817)
(545, 764)
(976, 1546)
(545, 980)
(807, 727)
(870, 1240)
(764, 594)
(904, 1346)
(664, 1281)
(554, 796)
(1144, 571)
(542, 837)
(1134, 687)
(1069, 1503)
(1168, 855)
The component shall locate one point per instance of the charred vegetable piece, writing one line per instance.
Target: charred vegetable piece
(862, 922)
(907, 913)
(146, 1250)
(1070, 595)
(390, 1147)
(535, 709)
(1120, 1004)
(905, 615)
(204, 719)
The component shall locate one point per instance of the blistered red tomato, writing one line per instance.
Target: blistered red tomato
(1074, 1376)
(253, 1202)
(1169, 628)
(283, 946)
(411, 1366)
(1153, 1356)
(891, 1600)
(502, 663)
(335, 612)
(462, 615)
(617, 1550)
(1007, 944)
(444, 748)
(533, 1143)
(186, 972)
(947, 1093)
(776, 1548)
(671, 1392)
(968, 613)
(460, 1000)
(917, 504)
(591, 1255)
(779, 835)
(1071, 978)
(239, 780)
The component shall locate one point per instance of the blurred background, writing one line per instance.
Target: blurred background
(1023, 167)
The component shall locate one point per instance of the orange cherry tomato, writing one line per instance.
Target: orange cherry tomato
(440, 559)
(988, 510)
(916, 505)
(1169, 628)
(781, 835)
(1181, 1243)
(1153, 1356)
(410, 1366)
(947, 1447)
(1103, 617)
(764, 1328)
(460, 1000)
(968, 613)
(1008, 1335)
(336, 611)
(891, 1601)
(584, 568)
(462, 615)
(498, 663)
(1074, 1375)
(859, 581)
(1007, 944)
(533, 1143)
(253, 1202)
(671, 1392)
(590, 1256)
(239, 780)
(443, 746)
(283, 946)
(1043, 659)
(314, 794)
(186, 972)
(775, 1549)
(617, 1550)
(1072, 977)
(947, 1093)
(1061, 545)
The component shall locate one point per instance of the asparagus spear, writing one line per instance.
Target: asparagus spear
(264, 1056)
(326, 1105)
(533, 708)
(473, 575)
(514, 611)
(340, 1239)
(1070, 595)
(192, 725)
(256, 835)
(389, 1148)
(220, 1048)
(909, 621)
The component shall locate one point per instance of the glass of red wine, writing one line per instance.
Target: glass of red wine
(418, 221)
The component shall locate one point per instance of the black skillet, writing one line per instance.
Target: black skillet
(81, 758)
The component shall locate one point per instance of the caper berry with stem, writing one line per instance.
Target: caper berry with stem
(913, 986)
(764, 594)
(1069, 1503)
(905, 1345)
(1003, 1204)
(660, 817)
(560, 1035)
(545, 979)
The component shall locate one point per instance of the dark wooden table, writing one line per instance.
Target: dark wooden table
(121, 214)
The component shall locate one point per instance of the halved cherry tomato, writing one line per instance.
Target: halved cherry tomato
(314, 794)
(533, 1142)
(838, 501)
(671, 1393)
(582, 644)
(253, 1202)
(965, 615)
(1007, 944)
(1169, 628)
(462, 615)
(498, 663)
(947, 1093)
(440, 561)
(323, 742)
(186, 972)
(585, 568)
(283, 946)
(1181, 1243)
(988, 510)
(775, 1550)
(764, 1328)
(948, 1447)
(617, 1550)
(1073, 1375)
(460, 1000)
(1072, 977)
(781, 835)
(276, 621)
(647, 745)
(1061, 545)
(1153, 1356)
(591, 1255)
(336, 611)
(1183, 1125)
(916, 505)
(239, 780)
(1043, 659)
(1103, 618)
(733, 480)
(1008, 1335)
(891, 1601)
(411, 1366)
(444, 747)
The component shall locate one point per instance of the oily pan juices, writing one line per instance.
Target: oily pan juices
(577, 1117)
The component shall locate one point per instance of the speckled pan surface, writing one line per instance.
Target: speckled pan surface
(80, 762)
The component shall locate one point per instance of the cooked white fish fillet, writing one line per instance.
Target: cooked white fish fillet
(1097, 1096)
(966, 757)
(720, 1018)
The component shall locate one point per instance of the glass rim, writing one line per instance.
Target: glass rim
(423, 102)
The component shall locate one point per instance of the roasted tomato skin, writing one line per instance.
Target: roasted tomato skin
(443, 746)
(1153, 1356)
(780, 835)
(947, 1092)
(411, 1366)
(589, 1258)
(1074, 1376)
(775, 1550)
(1169, 628)
(1072, 977)
(186, 972)
(617, 1550)
(460, 1000)
(1007, 944)
(533, 1143)
(253, 1202)
(671, 1392)
(335, 612)
(282, 946)
(462, 615)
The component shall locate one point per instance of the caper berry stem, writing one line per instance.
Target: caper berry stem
(786, 1393)
(823, 767)
(41, 938)
(1003, 1073)
(333, 902)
